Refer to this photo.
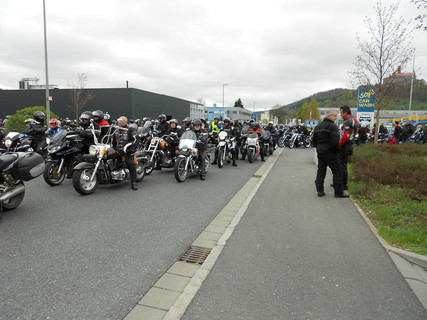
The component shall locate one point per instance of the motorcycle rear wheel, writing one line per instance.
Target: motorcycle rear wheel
(13, 202)
(82, 183)
(179, 169)
(220, 157)
(51, 174)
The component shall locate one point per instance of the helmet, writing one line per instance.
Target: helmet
(197, 122)
(39, 115)
(28, 120)
(271, 122)
(226, 120)
(173, 120)
(99, 114)
(107, 116)
(54, 123)
(145, 119)
(162, 117)
(85, 116)
(255, 125)
(187, 119)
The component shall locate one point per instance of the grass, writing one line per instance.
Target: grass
(390, 183)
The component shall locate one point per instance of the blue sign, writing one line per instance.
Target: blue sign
(366, 100)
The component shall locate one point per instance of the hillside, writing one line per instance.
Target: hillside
(335, 98)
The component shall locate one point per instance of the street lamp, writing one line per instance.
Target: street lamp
(45, 64)
(225, 84)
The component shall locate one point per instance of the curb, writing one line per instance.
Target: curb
(411, 257)
(174, 291)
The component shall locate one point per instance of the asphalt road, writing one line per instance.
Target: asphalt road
(296, 256)
(67, 256)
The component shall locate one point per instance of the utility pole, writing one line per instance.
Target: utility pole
(412, 84)
(45, 64)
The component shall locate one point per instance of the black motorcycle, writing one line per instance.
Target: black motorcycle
(15, 168)
(64, 152)
(104, 165)
(15, 141)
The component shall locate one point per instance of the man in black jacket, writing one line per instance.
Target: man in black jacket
(37, 129)
(326, 139)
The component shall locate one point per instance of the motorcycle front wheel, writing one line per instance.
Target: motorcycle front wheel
(220, 157)
(307, 143)
(52, 175)
(179, 169)
(140, 171)
(251, 155)
(82, 183)
(291, 144)
(281, 142)
(14, 202)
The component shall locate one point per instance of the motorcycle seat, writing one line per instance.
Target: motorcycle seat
(7, 159)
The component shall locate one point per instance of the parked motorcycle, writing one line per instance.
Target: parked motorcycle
(299, 140)
(266, 143)
(15, 168)
(15, 141)
(103, 165)
(250, 146)
(188, 161)
(64, 152)
(226, 147)
(162, 152)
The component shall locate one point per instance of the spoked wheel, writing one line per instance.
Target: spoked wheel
(251, 155)
(207, 163)
(291, 144)
(281, 142)
(15, 201)
(307, 143)
(52, 175)
(82, 183)
(179, 169)
(140, 171)
(220, 157)
(150, 168)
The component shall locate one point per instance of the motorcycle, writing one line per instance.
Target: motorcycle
(15, 168)
(104, 165)
(250, 146)
(188, 161)
(226, 147)
(299, 140)
(15, 141)
(266, 143)
(64, 152)
(162, 152)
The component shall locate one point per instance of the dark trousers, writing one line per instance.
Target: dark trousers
(346, 152)
(130, 163)
(332, 160)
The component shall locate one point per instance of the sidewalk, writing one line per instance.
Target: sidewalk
(280, 252)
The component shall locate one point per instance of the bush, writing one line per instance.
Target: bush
(16, 122)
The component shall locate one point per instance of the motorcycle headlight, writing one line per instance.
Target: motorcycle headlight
(194, 152)
(8, 143)
(93, 150)
(55, 149)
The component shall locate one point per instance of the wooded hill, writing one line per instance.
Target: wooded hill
(336, 98)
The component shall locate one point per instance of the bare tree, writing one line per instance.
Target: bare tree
(388, 50)
(79, 97)
(422, 5)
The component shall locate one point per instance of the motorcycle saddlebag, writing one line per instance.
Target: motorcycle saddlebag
(30, 166)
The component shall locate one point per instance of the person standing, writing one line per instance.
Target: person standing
(397, 131)
(326, 140)
(348, 130)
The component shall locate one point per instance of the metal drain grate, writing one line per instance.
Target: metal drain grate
(196, 255)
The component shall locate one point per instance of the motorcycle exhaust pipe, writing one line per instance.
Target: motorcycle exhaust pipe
(9, 195)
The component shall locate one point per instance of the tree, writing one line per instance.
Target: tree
(79, 97)
(309, 111)
(388, 50)
(238, 104)
(421, 4)
(16, 122)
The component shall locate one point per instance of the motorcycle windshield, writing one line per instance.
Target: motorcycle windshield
(56, 140)
(253, 136)
(188, 140)
(145, 130)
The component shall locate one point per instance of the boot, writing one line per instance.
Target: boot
(134, 185)
(234, 164)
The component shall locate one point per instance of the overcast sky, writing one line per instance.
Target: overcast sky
(268, 52)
